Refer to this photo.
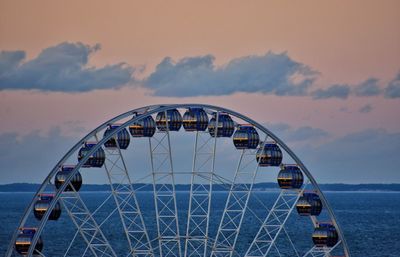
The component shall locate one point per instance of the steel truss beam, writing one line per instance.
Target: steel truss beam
(86, 224)
(127, 205)
(164, 194)
(200, 194)
(274, 222)
(317, 251)
(236, 204)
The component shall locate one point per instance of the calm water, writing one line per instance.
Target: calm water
(371, 221)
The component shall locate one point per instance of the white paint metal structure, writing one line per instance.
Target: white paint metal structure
(202, 178)
(195, 234)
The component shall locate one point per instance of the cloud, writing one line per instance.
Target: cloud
(60, 68)
(291, 134)
(9, 61)
(29, 158)
(271, 73)
(367, 156)
(366, 108)
(393, 88)
(65, 68)
(334, 91)
(369, 87)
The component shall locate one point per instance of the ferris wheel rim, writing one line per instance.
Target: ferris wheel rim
(150, 110)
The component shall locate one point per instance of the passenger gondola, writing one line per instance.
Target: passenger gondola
(195, 119)
(43, 204)
(145, 127)
(290, 177)
(174, 120)
(225, 127)
(269, 154)
(24, 241)
(96, 160)
(325, 234)
(62, 175)
(123, 138)
(309, 204)
(246, 137)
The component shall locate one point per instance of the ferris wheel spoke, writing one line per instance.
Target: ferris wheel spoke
(200, 194)
(236, 204)
(86, 224)
(274, 222)
(164, 193)
(125, 199)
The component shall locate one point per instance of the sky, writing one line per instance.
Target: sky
(322, 75)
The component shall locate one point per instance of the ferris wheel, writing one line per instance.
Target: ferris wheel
(183, 180)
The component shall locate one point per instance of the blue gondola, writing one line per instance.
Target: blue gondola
(225, 128)
(195, 119)
(290, 177)
(325, 234)
(24, 241)
(246, 137)
(309, 204)
(269, 155)
(62, 175)
(43, 204)
(174, 120)
(145, 127)
(123, 138)
(96, 160)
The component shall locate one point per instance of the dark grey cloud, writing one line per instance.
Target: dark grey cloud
(369, 87)
(334, 91)
(393, 88)
(64, 68)
(9, 61)
(366, 108)
(60, 68)
(271, 73)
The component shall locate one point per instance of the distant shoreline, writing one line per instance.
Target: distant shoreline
(261, 187)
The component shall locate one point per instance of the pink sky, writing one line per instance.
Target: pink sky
(346, 41)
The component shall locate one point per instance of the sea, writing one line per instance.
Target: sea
(370, 221)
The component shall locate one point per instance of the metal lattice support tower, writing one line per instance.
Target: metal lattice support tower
(274, 222)
(127, 204)
(200, 194)
(86, 224)
(164, 194)
(236, 204)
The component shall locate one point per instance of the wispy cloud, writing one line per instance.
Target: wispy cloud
(271, 73)
(60, 68)
(364, 156)
(393, 88)
(367, 88)
(366, 108)
(334, 91)
(292, 134)
(370, 87)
